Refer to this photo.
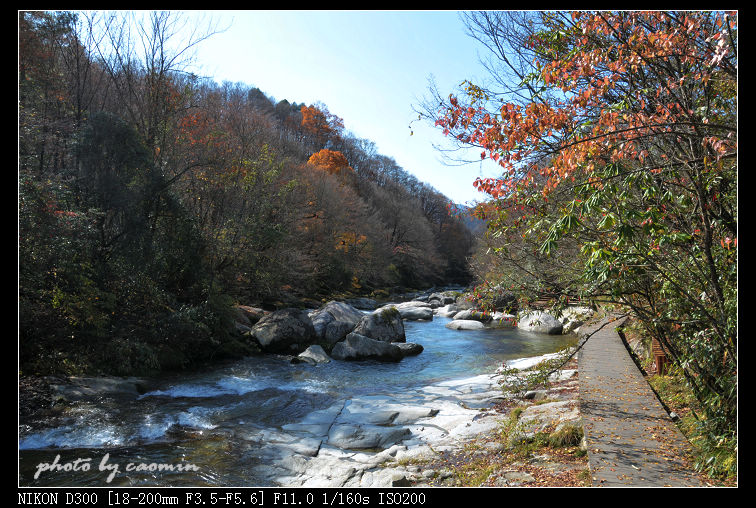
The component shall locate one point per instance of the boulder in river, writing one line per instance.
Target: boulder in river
(360, 347)
(440, 299)
(409, 348)
(413, 311)
(465, 324)
(285, 331)
(334, 320)
(314, 355)
(339, 311)
(539, 321)
(384, 324)
(473, 314)
(447, 310)
(335, 332)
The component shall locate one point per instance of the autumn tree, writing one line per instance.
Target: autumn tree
(335, 230)
(321, 127)
(330, 161)
(237, 189)
(616, 133)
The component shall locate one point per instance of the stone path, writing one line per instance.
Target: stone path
(632, 441)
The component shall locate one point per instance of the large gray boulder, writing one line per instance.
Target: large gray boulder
(409, 348)
(447, 310)
(417, 313)
(314, 355)
(384, 324)
(335, 332)
(473, 314)
(465, 324)
(287, 331)
(440, 299)
(413, 311)
(342, 312)
(359, 347)
(334, 320)
(539, 321)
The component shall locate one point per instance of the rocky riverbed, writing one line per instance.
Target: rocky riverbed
(397, 418)
(530, 440)
(447, 433)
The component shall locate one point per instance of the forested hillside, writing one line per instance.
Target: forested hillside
(151, 200)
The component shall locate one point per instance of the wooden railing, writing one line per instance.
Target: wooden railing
(548, 300)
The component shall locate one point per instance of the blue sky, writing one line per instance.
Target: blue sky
(367, 67)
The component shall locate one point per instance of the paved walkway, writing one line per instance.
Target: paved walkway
(632, 441)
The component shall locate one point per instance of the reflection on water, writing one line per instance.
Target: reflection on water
(210, 419)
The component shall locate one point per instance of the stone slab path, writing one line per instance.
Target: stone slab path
(632, 441)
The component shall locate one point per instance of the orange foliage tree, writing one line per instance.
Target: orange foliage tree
(330, 161)
(320, 124)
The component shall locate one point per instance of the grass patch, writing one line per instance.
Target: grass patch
(389, 313)
(585, 477)
(567, 436)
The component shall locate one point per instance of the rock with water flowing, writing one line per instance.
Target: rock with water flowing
(78, 388)
(384, 324)
(314, 355)
(285, 331)
(360, 347)
(465, 324)
(409, 348)
(413, 311)
(334, 320)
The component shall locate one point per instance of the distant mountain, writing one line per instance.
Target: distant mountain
(475, 225)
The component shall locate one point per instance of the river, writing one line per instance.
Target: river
(240, 423)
